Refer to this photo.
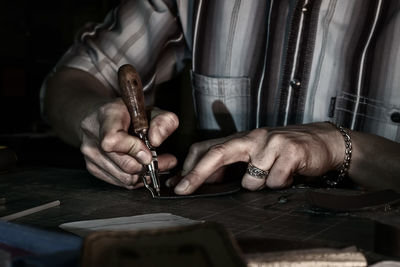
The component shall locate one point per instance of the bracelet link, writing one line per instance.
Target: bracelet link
(344, 168)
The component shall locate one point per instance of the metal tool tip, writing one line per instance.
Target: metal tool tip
(158, 191)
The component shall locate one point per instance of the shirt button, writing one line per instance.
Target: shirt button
(395, 117)
(305, 7)
(295, 83)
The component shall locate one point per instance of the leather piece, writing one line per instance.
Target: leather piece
(231, 184)
(337, 202)
(206, 190)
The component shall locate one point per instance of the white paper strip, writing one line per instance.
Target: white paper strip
(138, 222)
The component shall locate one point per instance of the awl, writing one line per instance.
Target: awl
(132, 94)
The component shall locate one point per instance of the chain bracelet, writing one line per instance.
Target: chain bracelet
(344, 168)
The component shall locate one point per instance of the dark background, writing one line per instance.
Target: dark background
(34, 35)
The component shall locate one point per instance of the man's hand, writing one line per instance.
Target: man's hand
(115, 156)
(309, 150)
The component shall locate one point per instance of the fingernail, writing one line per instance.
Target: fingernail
(143, 157)
(182, 186)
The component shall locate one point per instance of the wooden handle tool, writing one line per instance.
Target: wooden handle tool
(132, 95)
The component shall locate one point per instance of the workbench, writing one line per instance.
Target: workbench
(280, 219)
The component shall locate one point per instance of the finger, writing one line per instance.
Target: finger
(113, 170)
(90, 126)
(114, 117)
(234, 150)
(197, 150)
(125, 162)
(263, 158)
(132, 166)
(174, 180)
(290, 159)
(256, 183)
(215, 177)
(161, 127)
(166, 162)
(122, 142)
(111, 117)
(114, 124)
(138, 185)
(281, 173)
(103, 175)
(91, 151)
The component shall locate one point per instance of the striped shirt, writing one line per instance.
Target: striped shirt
(264, 63)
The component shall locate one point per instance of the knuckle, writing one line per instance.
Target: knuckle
(292, 148)
(90, 125)
(85, 149)
(249, 186)
(91, 168)
(218, 152)
(85, 124)
(276, 183)
(256, 136)
(195, 149)
(162, 126)
(195, 176)
(171, 120)
(166, 123)
(295, 150)
(110, 109)
(276, 138)
(135, 179)
(108, 142)
(133, 147)
(126, 180)
(103, 112)
(259, 132)
(129, 166)
(106, 109)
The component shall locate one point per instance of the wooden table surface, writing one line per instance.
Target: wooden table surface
(264, 215)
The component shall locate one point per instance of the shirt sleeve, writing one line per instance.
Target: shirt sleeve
(146, 34)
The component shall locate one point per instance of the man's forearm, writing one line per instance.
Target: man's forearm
(71, 95)
(375, 162)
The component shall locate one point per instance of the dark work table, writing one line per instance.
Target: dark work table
(279, 219)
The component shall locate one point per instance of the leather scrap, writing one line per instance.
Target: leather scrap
(206, 190)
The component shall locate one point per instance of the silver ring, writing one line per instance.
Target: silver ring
(256, 172)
